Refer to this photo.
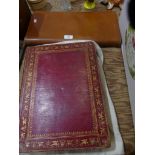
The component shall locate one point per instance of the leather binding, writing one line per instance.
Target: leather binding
(50, 27)
(62, 103)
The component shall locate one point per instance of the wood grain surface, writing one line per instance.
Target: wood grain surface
(117, 85)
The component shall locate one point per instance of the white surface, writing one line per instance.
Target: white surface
(68, 36)
(117, 147)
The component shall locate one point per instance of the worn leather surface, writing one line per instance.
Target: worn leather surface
(62, 104)
(47, 27)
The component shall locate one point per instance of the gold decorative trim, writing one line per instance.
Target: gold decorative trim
(100, 129)
(61, 143)
(95, 126)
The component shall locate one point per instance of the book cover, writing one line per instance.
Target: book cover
(62, 103)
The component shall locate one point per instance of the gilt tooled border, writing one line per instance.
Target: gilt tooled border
(99, 96)
(26, 92)
(64, 144)
(95, 125)
(97, 92)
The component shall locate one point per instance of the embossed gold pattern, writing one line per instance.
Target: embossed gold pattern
(100, 128)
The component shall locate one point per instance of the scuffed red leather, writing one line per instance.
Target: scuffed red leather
(61, 95)
(62, 101)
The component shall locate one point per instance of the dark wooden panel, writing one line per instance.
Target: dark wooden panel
(24, 18)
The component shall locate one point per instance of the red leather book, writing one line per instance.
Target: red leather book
(62, 104)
